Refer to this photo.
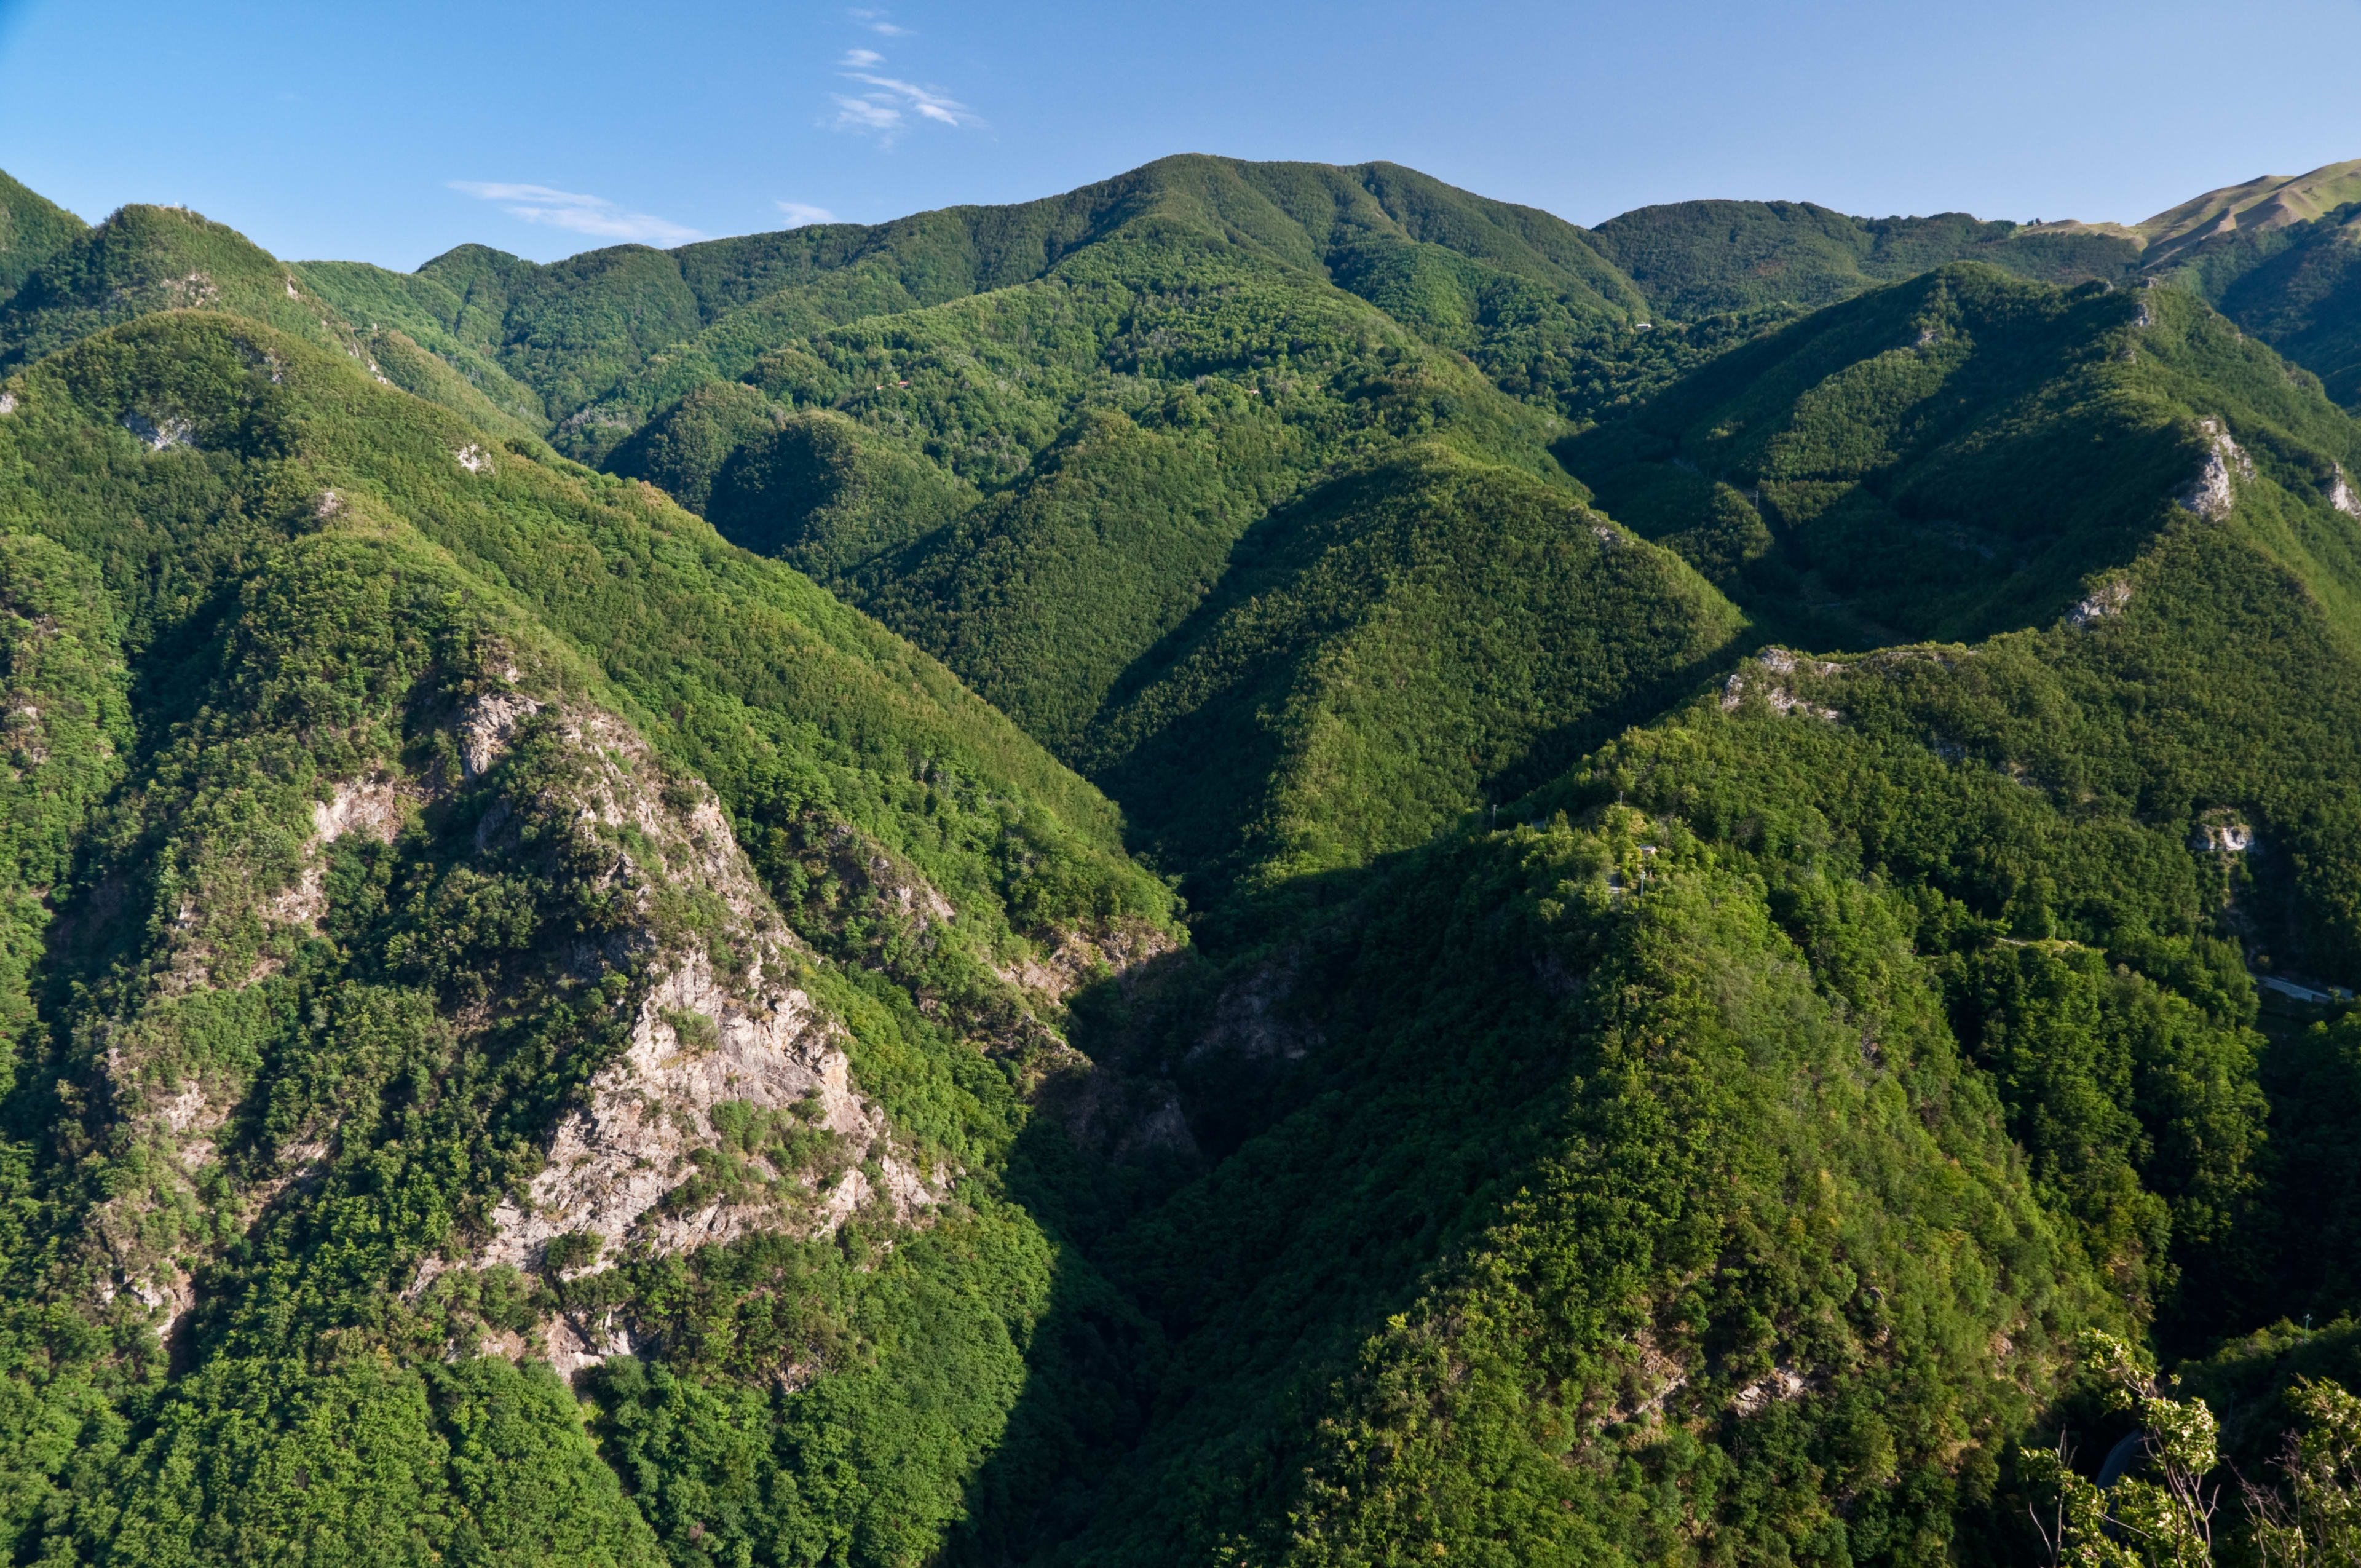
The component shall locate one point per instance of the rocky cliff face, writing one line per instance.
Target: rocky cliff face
(648, 919)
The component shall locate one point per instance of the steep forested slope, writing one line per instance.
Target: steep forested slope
(1918, 462)
(1473, 1105)
(2275, 255)
(417, 307)
(2032, 868)
(374, 839)
(32, 229)
(1412, 640)
(1173, 485)
(1722, 939)
(2297, 287)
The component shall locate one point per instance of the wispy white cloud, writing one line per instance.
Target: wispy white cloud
(875, 112)
(888, 98)
(887, 106)
(577, 212)
(802, 212)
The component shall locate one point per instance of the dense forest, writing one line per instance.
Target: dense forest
(1264, 864)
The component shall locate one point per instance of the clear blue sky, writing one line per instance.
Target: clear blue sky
(389, 132)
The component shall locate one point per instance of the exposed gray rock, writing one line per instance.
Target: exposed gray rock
(161, 432)
(2340, 494)
(2212, 493)
(2103, 602)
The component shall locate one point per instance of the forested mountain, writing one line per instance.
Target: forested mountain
(1267, 863)
(2256, 206)
(604, 338)
(1696, 257)
(32, 229)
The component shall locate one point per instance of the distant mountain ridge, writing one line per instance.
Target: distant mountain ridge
(590, 346)
(713, 307)
(2252, 206)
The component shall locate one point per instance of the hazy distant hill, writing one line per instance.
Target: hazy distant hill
(2259, 206)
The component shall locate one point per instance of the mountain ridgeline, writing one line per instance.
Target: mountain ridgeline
(1264, 864)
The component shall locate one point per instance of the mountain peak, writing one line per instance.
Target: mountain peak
(32, 229)
(2266, 201)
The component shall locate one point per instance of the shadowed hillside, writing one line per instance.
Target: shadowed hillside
(1916, 464)
(32, 230)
